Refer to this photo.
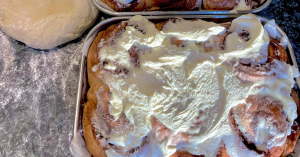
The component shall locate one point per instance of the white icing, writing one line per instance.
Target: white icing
(284, 41)
(233, 11)
(240, 48)
(198, 4)
(102, 4)
(270, 26)
(241, 5)
(182, 86)
(95, 68)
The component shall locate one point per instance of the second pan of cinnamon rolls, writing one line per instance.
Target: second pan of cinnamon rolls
(180, 5)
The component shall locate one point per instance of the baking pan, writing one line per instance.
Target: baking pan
(83, 84)
(107, 10)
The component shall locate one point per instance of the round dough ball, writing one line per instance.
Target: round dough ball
(44, 24)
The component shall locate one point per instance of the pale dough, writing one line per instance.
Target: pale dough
(45, 24)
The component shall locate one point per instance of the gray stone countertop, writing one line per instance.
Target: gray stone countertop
(38, 89)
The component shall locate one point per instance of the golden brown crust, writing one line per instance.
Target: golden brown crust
(180, 5)
(276, 51)
(291, 140)
(88, 131)
(219, 4)
(181, 153)
(159, 26)
(93, 145)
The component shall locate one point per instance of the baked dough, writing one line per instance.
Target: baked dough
(270, 108)
(152, 5)
(44, 24)
(219, 4)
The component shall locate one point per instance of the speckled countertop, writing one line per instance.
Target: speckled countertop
(38, 89)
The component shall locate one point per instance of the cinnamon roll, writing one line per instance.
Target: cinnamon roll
(180, 5)
(189, 88)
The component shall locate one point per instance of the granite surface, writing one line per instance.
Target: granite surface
(38, 89)
(37, 93)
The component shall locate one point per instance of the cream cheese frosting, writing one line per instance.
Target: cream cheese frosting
(241, 5)
(270, 26)
(252, 47)
(187, 89)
